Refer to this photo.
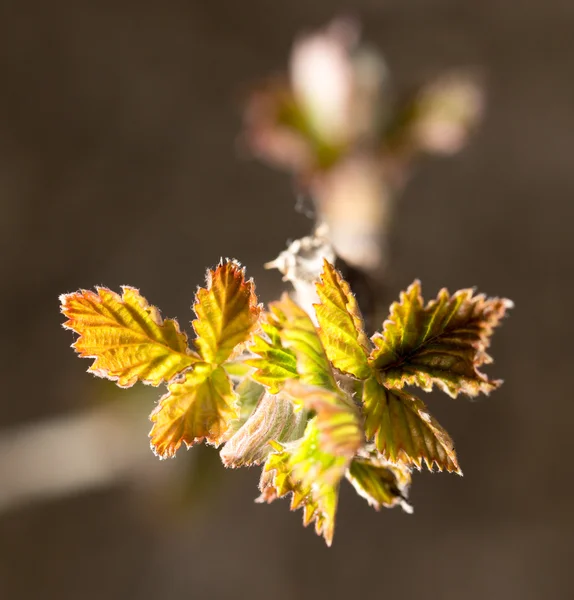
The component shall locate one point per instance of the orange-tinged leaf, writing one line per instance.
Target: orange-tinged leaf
(227, 312)
(126, 336)
(443, 343)
(341, 327)
(201, 406)
(404, 431)
(338, 422)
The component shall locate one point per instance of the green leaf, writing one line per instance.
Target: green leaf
(298, 333)
(273, 420)
(274, 364)
(380, 483)
(311, 475)
(404, 431)
(237, 369)
(249, 393)
(227, 311)
(312, 467)
(126, 336)
(341, 327)
(443, 343)
(277, 481)
(201, 406)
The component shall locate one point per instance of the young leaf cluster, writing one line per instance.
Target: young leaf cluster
(311, 398)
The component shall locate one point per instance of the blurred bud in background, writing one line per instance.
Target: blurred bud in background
(438, 117)
(335, 124)
(338, 85)
(330, 105)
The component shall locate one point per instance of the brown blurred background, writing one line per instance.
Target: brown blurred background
(118, 165)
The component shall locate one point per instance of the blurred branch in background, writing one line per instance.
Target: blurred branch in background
(72, 453)
(98, 448)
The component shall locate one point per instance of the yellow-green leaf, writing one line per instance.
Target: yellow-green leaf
(227, 312)
(338, 422)
(404, 431)
(443, 343)
(248, 393)
(380, 483)
(277, 481)
(311, 475)
(202, 406)
(237, 369)
(274, 364)
(341, 327)
(298, 333)
(126, 336)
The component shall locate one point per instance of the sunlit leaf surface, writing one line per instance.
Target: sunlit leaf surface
(443, 343)
(298, 333)
(200, 407)
(341, 326)
(126, 336)
(227, 311)
(274, 363)
(311, 475)
(404, 431)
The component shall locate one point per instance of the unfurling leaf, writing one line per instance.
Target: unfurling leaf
(443, 343)
(227, 312)
(274, 364)
(248, 393)
(380, 483)
(200, 407)
(404, 431)
(338, 422)
(300, 335)
(312, 475)
(341, 327)
(127, 337)
(273, 420)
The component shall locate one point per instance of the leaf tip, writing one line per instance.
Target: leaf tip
(415, 288)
